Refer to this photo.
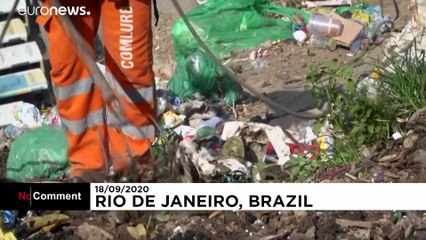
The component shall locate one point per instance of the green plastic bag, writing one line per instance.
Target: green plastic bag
(228, 26)
(198, 73)
(39, 153)
(360, 5)
(203, 73)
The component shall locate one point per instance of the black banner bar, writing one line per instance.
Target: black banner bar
(45, 196)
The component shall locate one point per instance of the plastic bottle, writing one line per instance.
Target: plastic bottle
(370, 32)
(323, 43)
(326, 141)
(13, 132)
(325, 26)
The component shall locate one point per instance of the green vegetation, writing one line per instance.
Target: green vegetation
(359, 118)
(403, 82)
(301, 168)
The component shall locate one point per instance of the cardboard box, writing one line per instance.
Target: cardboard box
(350, 32)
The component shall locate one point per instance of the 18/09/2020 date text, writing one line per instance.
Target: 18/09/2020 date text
(121, 189)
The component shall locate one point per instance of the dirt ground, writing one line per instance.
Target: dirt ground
(283, 80)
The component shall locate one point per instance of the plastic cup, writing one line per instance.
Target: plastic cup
(323, 42)
(325, 26)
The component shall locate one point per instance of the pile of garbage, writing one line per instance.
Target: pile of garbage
(37, 143)
(211, 142)
(324, 24)
(249, 24)
(22, 117)
(215, 225)
(217, 147)
(354, 27)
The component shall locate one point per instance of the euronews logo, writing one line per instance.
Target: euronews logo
(63, 10)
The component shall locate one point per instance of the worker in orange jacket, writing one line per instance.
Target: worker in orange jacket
(93, 136)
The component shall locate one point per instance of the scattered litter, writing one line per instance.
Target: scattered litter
(194, 160)
(212, 122)
(91, 232)
(137, 232)
(307, 135)
(396, 136)
(326, 144)
(259, 63)
(330, 3)
(246, 26)
(172, 120)
(6, 113)
(260, 133)
(205, 133)
(306, 151)
(232, 165)
(185, 131)
(7, 235)
(300, 36)
(325, 25)
(161, 105)
(27, 115)
(323, 42)
(361, 16)
(233, 148)
(52, 118)
(350, 32)
(13, 132)
(32, 224)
